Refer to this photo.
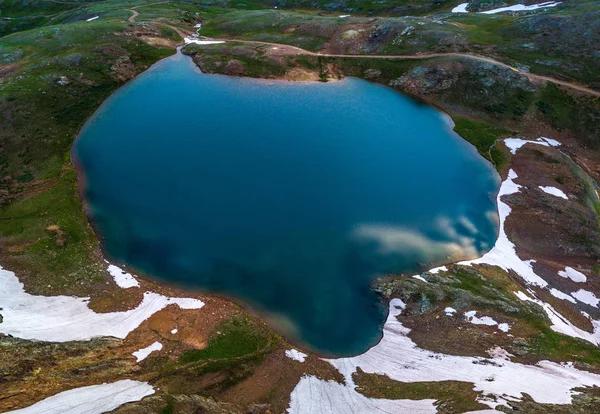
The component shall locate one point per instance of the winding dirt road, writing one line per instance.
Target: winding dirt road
(133, 16)
(293, 50)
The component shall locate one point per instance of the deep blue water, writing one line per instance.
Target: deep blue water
(289, 196)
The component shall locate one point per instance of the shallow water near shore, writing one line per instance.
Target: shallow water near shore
(289, 196)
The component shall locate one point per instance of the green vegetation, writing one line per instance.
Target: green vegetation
(170, 407)
(483, 136)
(237, 338)
(566, 112)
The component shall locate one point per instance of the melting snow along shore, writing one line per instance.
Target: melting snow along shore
(499, 379)
(68, 318)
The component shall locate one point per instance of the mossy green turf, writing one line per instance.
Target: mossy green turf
(236, 338)
(484, 137)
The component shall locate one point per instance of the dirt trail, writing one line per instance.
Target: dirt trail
(133, 16)
(180, 32)
(293, 50)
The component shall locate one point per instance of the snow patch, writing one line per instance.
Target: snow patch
(461, 8)
(436, 270)
(551, 142)
(554, 191)
(343, 16)
(449, 311)
(522, 7)
(514, 144)
(94, 399)
(189, 40)
(296, 355)
(122, 278)
(68, 318)
(587, 297)
(174, 331)
(144, 352)
(485, 320)
(92, 18)
(573, 274)
(421, 278)
(475, 320)
(561, 295)
(504, 327)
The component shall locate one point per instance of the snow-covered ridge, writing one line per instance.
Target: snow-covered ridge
(93, 399)
(68, 318)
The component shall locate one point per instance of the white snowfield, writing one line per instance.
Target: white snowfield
(122, 278)
(95, 399)
(144, 352)
(554, 191)
(316, 396)
(296, 355)
(462, 8)
(573, 274)
(68, 318)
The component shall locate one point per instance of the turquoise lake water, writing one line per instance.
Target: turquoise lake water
(288, 196)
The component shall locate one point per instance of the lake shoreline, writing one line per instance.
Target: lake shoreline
(255, 88)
